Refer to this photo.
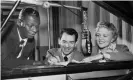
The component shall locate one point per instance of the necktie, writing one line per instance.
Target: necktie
(65, 58)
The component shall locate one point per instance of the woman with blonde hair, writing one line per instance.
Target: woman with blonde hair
(107, 50)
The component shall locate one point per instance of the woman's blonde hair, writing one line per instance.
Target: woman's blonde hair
(109, 26)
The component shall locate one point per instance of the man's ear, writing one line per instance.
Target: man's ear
(76, 43)
(20, 23)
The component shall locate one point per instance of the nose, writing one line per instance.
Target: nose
(100, 38)
(34, 29)
(67, 44)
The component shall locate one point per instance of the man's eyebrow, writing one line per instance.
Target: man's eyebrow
(72, 41)
(64, 40)
(97, 33)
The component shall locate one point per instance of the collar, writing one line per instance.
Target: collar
(20, 38)
(66, 55)
(99, 51)
(111, 47)
(63, 55)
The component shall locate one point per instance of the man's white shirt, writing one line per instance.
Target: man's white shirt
(21, 45)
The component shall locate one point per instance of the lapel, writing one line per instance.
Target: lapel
(72, 56)
(15, 40)
(60, 54)
(15, 34)
(28, 48)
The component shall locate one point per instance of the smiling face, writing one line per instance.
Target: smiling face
(67, 43)
(31, 25)
(104, 37)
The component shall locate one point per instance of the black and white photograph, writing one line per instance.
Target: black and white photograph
(66, 40)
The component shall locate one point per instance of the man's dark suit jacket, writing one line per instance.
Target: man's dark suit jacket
(9, 46)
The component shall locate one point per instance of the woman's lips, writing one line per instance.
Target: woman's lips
(101, 42)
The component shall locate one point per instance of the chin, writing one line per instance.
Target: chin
(66, 52)
(101, 46)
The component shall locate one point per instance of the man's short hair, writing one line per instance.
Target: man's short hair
(69, 31)
(28, 11)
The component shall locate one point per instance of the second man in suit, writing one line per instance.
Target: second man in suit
(67, 51)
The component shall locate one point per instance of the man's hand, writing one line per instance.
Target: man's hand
(53, 60)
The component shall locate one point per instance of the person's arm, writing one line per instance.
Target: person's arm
(51, 58)
(91, 58)
(123, 54)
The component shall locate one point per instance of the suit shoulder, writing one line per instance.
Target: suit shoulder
(78, 53)
(53, 50)
(121, 46)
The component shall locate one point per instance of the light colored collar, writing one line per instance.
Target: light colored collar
(99, 51)
(111, 47)
(68, 56)
(20, 38)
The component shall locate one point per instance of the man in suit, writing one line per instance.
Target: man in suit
(18, 44)
(67, 51)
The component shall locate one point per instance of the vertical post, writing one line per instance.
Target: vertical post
(49, 37)
(37, 43)
(37, 47)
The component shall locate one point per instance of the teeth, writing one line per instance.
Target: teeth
(67, 49)
(101, 42)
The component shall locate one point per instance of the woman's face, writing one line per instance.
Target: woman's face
(104, 37)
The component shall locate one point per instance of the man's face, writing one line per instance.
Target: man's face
(31, 25)
(67, 43)
(104, 37)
